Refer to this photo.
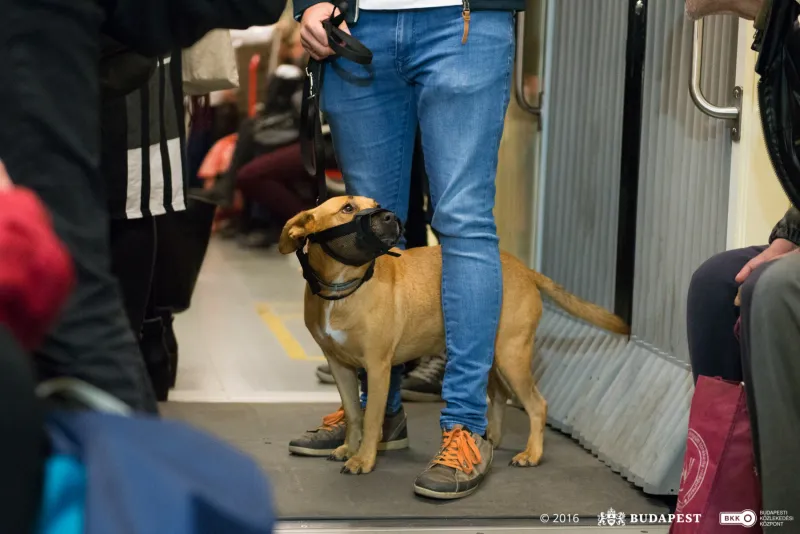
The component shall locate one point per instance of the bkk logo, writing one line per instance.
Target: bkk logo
(746, 518)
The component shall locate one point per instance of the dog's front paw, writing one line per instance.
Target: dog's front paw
(527, 459)
(340, 454)
(358, 466)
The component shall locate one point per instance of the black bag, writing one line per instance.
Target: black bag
(182, 240)
(779, 92)
(273, 132)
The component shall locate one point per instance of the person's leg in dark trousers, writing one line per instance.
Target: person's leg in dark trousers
(269, 180)
(770, 350)
(133, 255)
(417, 223)
(49, 141)
(712, 315)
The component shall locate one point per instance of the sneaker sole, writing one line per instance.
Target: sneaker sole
(319, 453)
(443, 496)
(325, 378)
(304, 451)
(418, 396)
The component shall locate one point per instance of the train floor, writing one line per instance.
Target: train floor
(246, 374)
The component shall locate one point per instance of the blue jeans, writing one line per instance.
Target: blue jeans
(458, 94)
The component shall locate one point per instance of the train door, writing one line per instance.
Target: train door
(520, 149)
(635, 196)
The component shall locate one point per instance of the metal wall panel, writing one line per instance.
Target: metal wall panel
(684, 172)
(628, 401)
(583, 162)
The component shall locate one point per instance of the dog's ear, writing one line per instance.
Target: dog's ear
(294, 231)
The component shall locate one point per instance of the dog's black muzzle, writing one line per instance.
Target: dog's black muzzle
(372, 233)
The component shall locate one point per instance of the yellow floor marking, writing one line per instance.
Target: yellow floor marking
(290, 345)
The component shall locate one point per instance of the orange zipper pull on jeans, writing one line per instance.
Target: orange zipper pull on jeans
(465, 15)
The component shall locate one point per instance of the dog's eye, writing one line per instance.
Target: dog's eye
(348, 208)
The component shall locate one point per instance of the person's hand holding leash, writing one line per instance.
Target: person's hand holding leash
(313, 35)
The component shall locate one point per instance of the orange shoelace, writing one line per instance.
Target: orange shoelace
(331, 421)
(458, 451)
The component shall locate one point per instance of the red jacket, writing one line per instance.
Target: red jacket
(36, 271)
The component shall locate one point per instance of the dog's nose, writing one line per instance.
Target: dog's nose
(389, 218)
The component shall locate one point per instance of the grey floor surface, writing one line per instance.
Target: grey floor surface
(568, 481)
(243, 338)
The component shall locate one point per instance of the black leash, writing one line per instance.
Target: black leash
(312, 145)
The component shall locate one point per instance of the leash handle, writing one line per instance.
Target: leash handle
(312, 144)
(342, 43)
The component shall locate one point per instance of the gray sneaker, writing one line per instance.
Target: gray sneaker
(324, 374)
(424, 383)
(325, 439)
(458, 469)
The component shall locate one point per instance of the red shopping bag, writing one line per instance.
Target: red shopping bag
(719, 475)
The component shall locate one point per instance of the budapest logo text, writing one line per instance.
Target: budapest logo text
(614, 518)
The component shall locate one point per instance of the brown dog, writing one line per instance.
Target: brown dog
(397, 315)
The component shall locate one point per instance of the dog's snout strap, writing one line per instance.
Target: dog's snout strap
(312, 144)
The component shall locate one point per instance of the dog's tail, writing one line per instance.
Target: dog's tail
(591, 313)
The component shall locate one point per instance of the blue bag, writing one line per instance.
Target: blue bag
(111, 474)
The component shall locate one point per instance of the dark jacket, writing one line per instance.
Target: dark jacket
(788, 228)
(122, 71)
(157, 27)
(142, 108)
(474, 5)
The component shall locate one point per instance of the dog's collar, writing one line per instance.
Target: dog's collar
(317, 285)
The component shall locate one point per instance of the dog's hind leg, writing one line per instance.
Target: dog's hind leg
(347, 384)
(514, 362)
(497, 408)
(378, 378)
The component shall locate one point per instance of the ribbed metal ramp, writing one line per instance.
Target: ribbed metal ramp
(622, 400)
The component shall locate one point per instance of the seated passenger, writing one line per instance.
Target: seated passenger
(277, 123)
(266, 173)
(766, 358)
(279, 182)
